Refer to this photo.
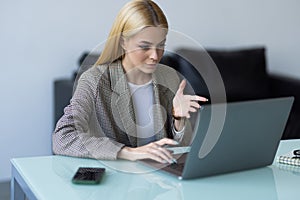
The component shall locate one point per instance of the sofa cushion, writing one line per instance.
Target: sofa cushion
(243, 70)
(186, 71)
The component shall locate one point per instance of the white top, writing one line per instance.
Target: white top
(142, 97)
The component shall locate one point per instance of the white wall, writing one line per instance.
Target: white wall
(42, 40)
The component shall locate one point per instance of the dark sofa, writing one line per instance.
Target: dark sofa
(243, 72)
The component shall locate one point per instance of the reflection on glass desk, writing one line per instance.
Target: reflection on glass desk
(50, 178)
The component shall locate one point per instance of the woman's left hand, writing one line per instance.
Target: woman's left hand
(184, 104)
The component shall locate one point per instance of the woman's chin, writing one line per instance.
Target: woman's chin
(150, 67)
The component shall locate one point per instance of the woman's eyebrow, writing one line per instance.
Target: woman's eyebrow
(145, 42)
(150, 43)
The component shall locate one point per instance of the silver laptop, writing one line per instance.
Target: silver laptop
(249, 137)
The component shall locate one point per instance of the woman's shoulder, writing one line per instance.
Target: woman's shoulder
(167, 76)
(166, 72)
(91, 76)
(165, 69)
(94, 72)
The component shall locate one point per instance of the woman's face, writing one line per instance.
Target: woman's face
(144, 50)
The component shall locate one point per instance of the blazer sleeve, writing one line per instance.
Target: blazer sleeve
(78, 133)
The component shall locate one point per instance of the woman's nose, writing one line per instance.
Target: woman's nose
(153, 54)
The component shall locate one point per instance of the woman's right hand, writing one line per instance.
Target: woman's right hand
(153, 150)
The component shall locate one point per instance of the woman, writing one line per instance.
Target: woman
(127, 106)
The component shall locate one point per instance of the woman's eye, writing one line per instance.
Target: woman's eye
(145, 47)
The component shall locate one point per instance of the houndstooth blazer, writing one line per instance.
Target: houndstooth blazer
(100, 119)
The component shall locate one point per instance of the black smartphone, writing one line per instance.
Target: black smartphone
(88, 175)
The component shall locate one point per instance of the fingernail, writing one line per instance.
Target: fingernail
(171, 151)
(176, 143)
(174, 160)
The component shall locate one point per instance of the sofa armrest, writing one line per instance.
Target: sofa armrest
(284, 86)
(63, 90)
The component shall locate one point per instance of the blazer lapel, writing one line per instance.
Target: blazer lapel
(166, 81)
(159, 111)
(122, 103)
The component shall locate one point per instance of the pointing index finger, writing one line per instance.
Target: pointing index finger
(199, 98)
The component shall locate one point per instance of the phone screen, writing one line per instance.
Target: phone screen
(88, 175)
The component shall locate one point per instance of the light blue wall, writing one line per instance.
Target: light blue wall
(42, 40)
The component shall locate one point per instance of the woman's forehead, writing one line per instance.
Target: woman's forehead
(152, 35)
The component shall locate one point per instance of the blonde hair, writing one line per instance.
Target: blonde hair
(132, 18)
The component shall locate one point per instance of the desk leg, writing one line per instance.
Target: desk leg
(16, 191)
(19, 188)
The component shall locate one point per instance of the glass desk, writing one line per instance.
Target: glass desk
(50, 177)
